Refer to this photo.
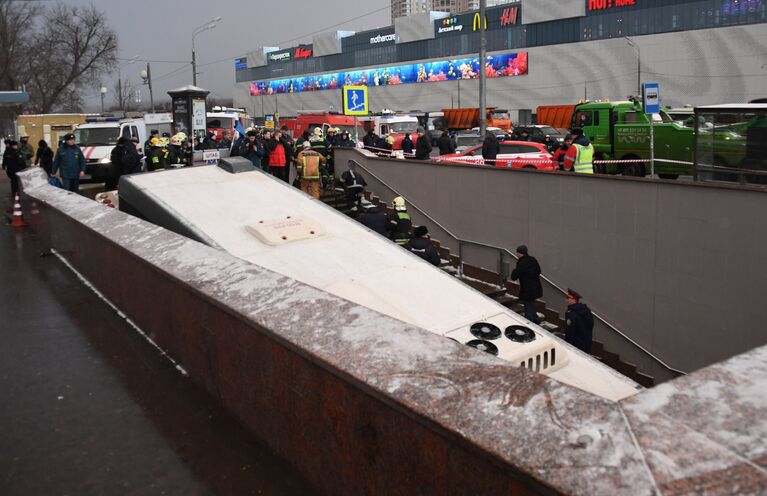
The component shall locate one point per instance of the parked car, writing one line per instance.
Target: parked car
(513, 154)
(549, 136)
(497, 131)
(464, 141)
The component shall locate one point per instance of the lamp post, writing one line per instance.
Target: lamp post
(482, 73)
(103, 92)
(208, 25)
(146, 75)
(639, 65)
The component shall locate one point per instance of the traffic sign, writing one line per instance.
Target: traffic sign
(651, 98)
(355, 100)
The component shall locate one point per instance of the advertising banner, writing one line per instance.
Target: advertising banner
(504, 65)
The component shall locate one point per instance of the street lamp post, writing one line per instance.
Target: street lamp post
(146, 75)
(103, 92)
(208, 25)
(482, 72)
(639, 65)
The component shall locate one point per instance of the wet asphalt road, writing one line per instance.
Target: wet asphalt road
(88, 407)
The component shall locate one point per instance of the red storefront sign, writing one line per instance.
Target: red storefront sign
(509, 16)
(302, 53)
(609, 4)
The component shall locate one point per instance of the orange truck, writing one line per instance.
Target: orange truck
(467, 118)
(555, 115)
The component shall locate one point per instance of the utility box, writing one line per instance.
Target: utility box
(189, 104)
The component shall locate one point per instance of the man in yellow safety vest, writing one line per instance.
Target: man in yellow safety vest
(580, 156)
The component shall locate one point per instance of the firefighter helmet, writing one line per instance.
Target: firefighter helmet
(317, 131)
(398, 203)
(178, 139)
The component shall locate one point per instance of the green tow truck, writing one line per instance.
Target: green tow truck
(621, 131)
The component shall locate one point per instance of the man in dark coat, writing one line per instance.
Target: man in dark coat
(13, 162)
(71, 161)
(580, 322)
(44, 157)
(131, 159)
(490, 148)
(445, 144)
(252, 149)
(116, 159)
(421, 245)
(423, 145)
(369, 140)
(374, 219)
(528, 272)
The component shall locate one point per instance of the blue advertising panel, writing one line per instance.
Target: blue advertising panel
(505, 65)
(240, 63)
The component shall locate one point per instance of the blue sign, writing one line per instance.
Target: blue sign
(355, 100)
(651, 98)
(240, 63)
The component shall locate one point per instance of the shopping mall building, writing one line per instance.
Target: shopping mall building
(540, 52)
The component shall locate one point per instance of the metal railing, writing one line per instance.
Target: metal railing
(502, 252)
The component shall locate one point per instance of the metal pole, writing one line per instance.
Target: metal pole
(482, 74)
(149, 81)
(194, 67)
(102, 102)
(652, 146)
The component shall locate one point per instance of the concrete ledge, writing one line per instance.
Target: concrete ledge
(359, 402)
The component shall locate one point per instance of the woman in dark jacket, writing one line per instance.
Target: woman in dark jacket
(490, 148)
(44, 156)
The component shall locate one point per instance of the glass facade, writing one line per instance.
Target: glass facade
(643, 18)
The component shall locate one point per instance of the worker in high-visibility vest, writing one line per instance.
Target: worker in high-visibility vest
(580, 156)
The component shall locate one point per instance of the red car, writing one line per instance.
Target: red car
(514, 154)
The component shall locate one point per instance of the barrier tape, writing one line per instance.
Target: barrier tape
(532, 161)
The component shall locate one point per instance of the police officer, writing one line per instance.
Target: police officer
(580, 322)
(399, 222)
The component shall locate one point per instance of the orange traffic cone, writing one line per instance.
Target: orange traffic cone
(18, 218)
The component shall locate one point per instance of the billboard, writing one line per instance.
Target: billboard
(504, 65)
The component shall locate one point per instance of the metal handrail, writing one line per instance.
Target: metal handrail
(462, 241)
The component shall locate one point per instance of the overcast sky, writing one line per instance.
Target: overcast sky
(162, 30)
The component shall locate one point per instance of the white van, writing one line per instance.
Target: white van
(98, 136)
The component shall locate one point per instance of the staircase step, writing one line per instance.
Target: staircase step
(487, 289)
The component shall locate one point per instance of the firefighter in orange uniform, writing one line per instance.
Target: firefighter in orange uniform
(308, 165)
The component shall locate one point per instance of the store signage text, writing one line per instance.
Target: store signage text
(303, 53)
(509, 16)
(383, 38)
(450, 24)
(609, 4)
(282, 56)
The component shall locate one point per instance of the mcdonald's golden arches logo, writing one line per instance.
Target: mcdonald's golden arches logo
(475, 23)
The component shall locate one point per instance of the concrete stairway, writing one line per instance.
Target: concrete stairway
(504, 292)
